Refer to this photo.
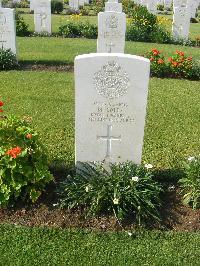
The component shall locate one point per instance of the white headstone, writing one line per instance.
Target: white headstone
(74, 4)
(111, 98)
(42, 16)
(81, 2)
(7, 29)
(181, 22)
(193, 6)
(167, 3)
(31, 5)
(113, 6)
(111, 29)
(152, 6)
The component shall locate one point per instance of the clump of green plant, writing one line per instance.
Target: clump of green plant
(22, 28)
(144, 26)
(190, 183)
(23, 162)
(160, 7)
(121, 189)
(76, 29)
(56, 6)
(8, 60)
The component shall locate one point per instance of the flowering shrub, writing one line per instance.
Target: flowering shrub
(22, 28)
(190, 183)
(74, 29)
(178, 65)
(144, 26)
(23, 163)
(123, 189)
(8, 60)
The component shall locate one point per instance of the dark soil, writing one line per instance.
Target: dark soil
(46, 67)
(175, 216)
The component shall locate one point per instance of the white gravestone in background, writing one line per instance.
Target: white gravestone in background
(167, 4)
(31, 5)
(111, 98)
(181, 22)
(111, 29)
(193, 5)
(7, 29)
(74, 4)
(152, 6)
(42, 16)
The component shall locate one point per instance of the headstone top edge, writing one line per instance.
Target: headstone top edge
(108, 55)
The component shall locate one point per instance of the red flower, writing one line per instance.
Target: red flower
(1, 110)
(160, 61)
(14, 152)
(189, 58)
(1, 103)
(29, 136)
(174, 63)
(155, 52)
(151, 59)
(180, 53)
(170, 59)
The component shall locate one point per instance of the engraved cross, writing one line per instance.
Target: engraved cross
(2, 41)
(110, 45)
(109, 139)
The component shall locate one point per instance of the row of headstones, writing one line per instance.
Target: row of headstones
(42, 20)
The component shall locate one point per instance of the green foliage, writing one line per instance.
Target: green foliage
(160, 7)
(78, 29)
(143, 26)
(21, 26)
(178, 65)
(21, 4)
(122, 189)
(8, 60)
(190, 183)
(23, 163)
(56, 6)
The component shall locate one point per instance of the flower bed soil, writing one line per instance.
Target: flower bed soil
(175, 216)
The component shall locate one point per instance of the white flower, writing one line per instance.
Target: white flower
(191, 158)
(148, 165)
(129, 233)
(135, 178)
(116, 201)
(87, 189)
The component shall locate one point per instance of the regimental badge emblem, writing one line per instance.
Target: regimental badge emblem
(112, 22)
(111, 81)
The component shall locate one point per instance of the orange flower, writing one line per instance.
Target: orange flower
(1, 110)
(151, 59)
(174, 63)
(170, 59)
(189, 58)
(29, 136)
(180, 53)
(14, 152)
(160, 61)
(155, 52)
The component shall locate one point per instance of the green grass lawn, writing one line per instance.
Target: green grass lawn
(172, 126)
(40, 246)
(63, 50)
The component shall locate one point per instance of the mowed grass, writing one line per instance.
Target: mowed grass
(172, 125)
(63, 50)
(40, 246)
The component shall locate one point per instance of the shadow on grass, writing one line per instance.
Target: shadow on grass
(47, 65)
